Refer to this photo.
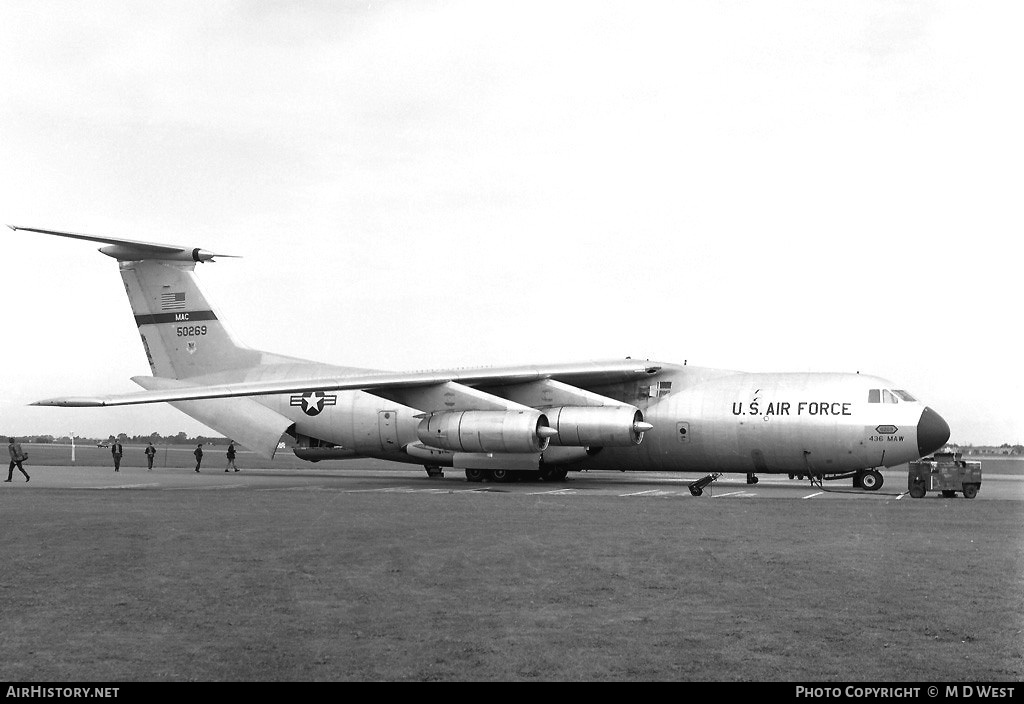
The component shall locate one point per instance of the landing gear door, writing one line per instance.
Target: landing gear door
(388, 426)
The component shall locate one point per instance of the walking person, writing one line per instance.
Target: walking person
(116, 450)
(231, 456)
(150, 454)
(17, 457)
(198, 452)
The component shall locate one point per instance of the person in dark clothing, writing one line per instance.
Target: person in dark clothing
(116, 450)
(198, 452)
(231, 457)
(17, 457)
(150, 454)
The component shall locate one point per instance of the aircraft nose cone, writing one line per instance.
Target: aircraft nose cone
(932, 432)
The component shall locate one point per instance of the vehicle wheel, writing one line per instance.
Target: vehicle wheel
(501, 475)
(918, 491)
(474, 475)
(948, 493)
(871, 480)
(970, 491)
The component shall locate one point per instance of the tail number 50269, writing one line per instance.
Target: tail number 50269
(190, 330)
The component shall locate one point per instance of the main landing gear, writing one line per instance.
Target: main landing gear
(547, 474)
(751, 478)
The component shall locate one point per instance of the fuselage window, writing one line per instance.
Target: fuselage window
(874, 396)
(888, 397)
(903, 395)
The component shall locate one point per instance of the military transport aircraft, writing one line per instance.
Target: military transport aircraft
(536, 421)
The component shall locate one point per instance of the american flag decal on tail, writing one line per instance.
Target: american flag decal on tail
(172, 301)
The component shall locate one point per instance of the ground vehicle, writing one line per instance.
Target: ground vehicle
(697, 487)
(946, 472)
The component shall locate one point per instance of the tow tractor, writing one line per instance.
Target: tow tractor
(947, 472)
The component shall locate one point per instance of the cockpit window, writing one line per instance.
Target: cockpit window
(904, 395)
(874, 396)
(888, 397)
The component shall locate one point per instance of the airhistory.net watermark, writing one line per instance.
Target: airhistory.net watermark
(61, 692)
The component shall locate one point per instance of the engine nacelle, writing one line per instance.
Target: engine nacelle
(486, 431)
(598, 426)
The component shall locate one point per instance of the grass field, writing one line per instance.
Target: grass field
(327, 585)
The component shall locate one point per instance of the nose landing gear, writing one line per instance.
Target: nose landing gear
(868, 479)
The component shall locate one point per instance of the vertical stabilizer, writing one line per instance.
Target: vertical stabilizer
(181, 333)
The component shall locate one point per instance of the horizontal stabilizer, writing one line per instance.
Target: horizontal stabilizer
(243, 420)
(131, 250)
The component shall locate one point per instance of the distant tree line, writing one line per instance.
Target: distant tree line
(156, 438)
(1004, 449)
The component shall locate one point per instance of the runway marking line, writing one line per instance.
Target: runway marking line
(120, 486)
(732, 493)
(564, 492)
(641, 493)
(811, 496)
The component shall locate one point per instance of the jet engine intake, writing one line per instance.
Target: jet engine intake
(599, 426)
(486, 431)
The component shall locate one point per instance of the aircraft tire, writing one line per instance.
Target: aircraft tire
(474, 475)
(871, 480)
(552, 474)
(501, 475)
(970, 491)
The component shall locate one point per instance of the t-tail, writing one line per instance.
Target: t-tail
(182, 334)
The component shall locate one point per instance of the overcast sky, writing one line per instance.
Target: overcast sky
(781, 186)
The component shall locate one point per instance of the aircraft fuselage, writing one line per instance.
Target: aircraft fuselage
(704, 420)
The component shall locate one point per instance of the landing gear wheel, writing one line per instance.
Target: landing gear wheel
(970, 491)
(751, 478)
(501, 475)
(474, 475)
(871, 480)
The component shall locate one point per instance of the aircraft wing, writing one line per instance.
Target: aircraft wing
(580, 374)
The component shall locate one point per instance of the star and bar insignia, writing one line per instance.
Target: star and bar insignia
(313, 402)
